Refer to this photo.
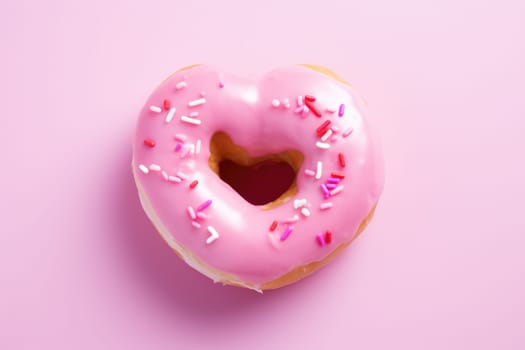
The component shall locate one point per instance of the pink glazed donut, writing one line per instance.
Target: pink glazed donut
(256, 182)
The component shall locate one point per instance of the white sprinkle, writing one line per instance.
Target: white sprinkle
(175, 179)
(213, 234)
(182, 175)
(194, 114)
(155, 109)
(202, 215)
(319, 170)
(198, 147)
(305, 211)
(196, 224)
(291, 220)
(326, 205)
(154, 167)
(165, 175)
(181, 85)
(331, 110)
(299, 110)
(300, 100)
(299, 203)
(191, 213)
(305, 110)
(336, 190)
(185, 150)
(170, 114)
(180, 137)
(322, 145)
(326, 135)
(309, 172)
(285, 103)
(347, 132)
(189, 120)
(143, 168)
(197, 102)
(276, 103)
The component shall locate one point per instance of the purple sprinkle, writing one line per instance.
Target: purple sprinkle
(178, 147)
(286, 233)
(331, 186)
(325, 191)
(333, 180)
(320, 239)
(341, 110)
(204, 205)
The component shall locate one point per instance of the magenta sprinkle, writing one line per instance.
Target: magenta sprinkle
(333, 180)
(178, 147)
(325, 191)
(341, 110)
(286, 233)
(331, 186)
(204, 205)
(320, 239)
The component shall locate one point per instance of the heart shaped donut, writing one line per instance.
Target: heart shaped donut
(256, 182)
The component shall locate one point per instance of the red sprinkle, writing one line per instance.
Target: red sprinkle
(342, 160)
(328, 237)
(309, 98)
(323, 128)
(273, 226)
(193, 184)
(311, 107)
(167, 104)
(337, 175)
(149, 142)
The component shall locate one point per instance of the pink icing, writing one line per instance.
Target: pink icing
(266, 115)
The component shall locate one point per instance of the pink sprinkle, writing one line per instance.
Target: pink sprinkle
(196, 224)
(191, 213)
(341, 110)
(178, 146)
(331, 186)
(181, 137)
(325, 191)
(299, 110)
(333, 180)
(185, 151)
(175, 179)
(291, 220)
(300, 101)
(182, 175)
(286, 233)
(204, 205)
(285, 103)
(309, 172)
(331, 110)
(164, 175)
(347, 132)
(221, 84)
(326, 205)
(202, 216)
(334, 128)
(320, 239)
(336, 190)
(194, 114)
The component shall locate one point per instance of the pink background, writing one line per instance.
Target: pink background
(442, 266)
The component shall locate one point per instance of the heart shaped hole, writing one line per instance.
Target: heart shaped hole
(269, 180)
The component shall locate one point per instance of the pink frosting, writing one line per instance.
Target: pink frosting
(247, 110)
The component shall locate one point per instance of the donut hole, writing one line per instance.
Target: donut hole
(267, 181)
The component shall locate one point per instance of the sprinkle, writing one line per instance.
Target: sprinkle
(325, 191)
(333, 180)
(337, 175)
(331, 110)
(204, 205)
(341, 110)
(331, 186)
(181, 85)
(166, 104)
(193, 184)
(175, 179)
(194, 114)
(196, 224)
(320, 239)
(322, 128)
(305, 211)
(347, 132)
(326, 135)
(202, 216)
(197, 102)
(285, 103)
(299, 203)
(273, 226)
(182, 175)
(300, 101)
(190, 120)
(186, 149)
(299, 110)
(149, 143)
(170, 115)
(286, 233)
(221, 84)
(342, 161)
(155, 109)
(309, 98)
(198, 146)
(328, 237)
(276, 103)
(335, 129)
(326, 205)
(164, 175)
(291, 220)
(191, 213)
(309, 172)
(319, 170)
(203, 93)
(322, 145)
(180, 137)
(311, 107)
(143, 168)
(178, 146)
(336, 190)
(213, 234)
(191, 146)
(154, 167)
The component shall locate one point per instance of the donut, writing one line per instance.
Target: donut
(256, 182)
